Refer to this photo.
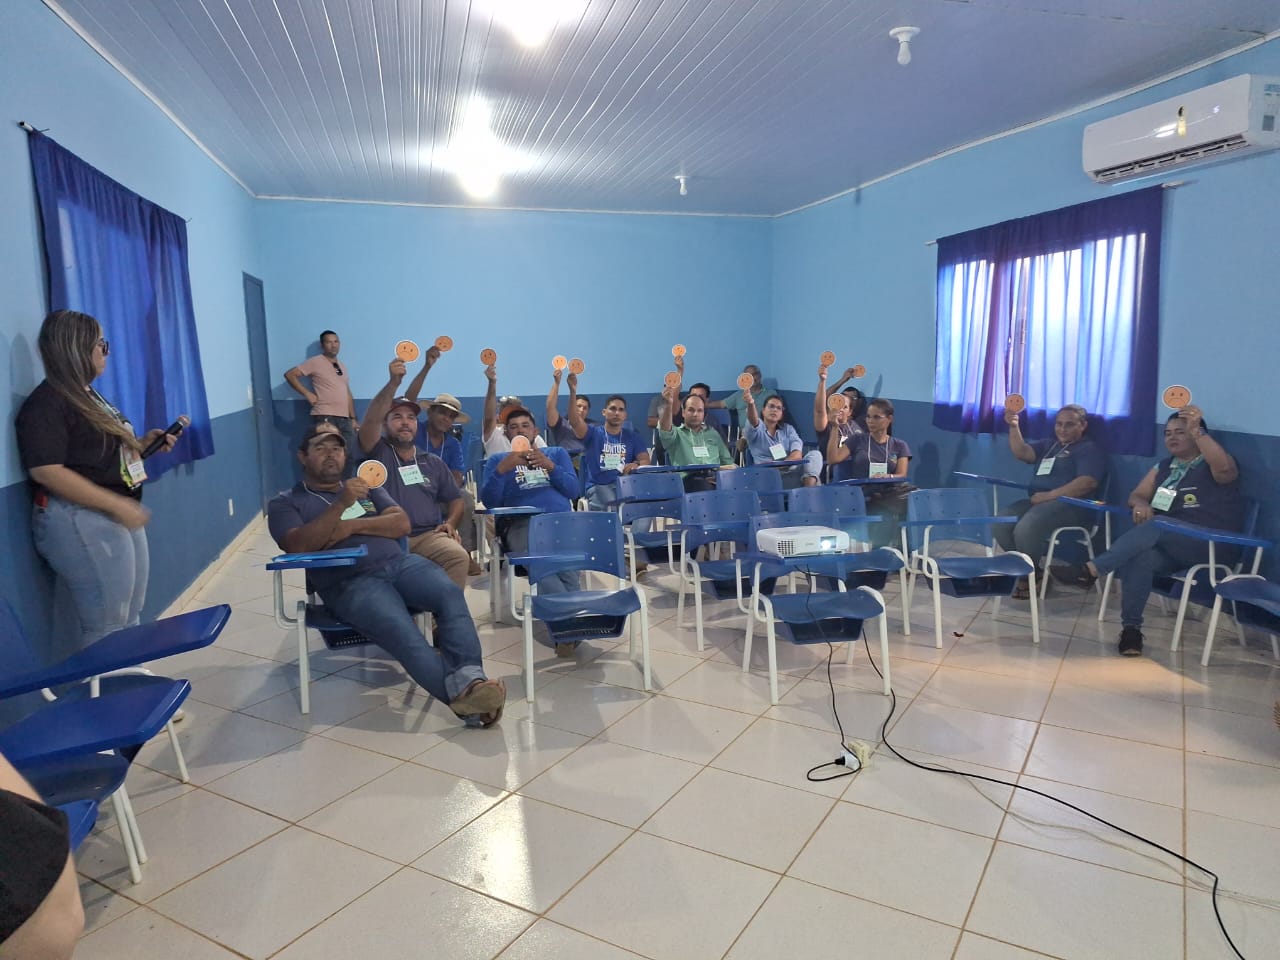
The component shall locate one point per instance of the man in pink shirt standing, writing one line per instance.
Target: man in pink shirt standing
(330, 391)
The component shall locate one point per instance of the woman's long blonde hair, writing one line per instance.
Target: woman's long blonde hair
(67, 339)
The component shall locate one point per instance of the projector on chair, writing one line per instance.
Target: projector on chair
(802, 541)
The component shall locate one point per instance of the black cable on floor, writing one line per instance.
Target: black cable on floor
(893, 706)
(847, 771)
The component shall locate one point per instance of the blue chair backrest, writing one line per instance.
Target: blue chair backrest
(17, 655)
(712, 505)
(842, 499)
(664, 493)
(718, 420)
(765, 481)
(939, 505)
(598, 535)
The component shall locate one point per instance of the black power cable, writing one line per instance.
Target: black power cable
(893, 707)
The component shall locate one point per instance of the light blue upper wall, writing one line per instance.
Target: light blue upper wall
(854, 275)
(52, 79)
(615, 290)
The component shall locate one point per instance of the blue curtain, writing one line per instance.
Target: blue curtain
(1061, 307)
(121, 258)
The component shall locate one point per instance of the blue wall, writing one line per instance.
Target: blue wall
(52, 79)
(855, 275)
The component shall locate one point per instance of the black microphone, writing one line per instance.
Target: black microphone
(174, 428)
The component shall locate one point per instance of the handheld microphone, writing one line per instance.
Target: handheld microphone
(174, 429)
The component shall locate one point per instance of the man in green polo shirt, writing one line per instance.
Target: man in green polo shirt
(693, 441)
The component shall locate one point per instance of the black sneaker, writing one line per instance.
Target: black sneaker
(1130, 642)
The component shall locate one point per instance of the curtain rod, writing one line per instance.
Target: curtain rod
(1171, 185)
(29, 128)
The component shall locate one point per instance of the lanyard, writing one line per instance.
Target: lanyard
(1179, 469)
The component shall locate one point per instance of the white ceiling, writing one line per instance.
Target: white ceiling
(766, 105)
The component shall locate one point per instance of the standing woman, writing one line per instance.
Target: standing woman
(86, 469)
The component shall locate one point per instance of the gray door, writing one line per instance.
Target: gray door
(255, 318)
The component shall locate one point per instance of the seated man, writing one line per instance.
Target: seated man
(1071, 465)
(609, 452)
(693, 441)
(436, 435)
(418, 482)
(41, 915)
(769, 439)
(559, 430)
(1196, 483)
(736, 402)
(377, 594)
(542, 478)
(494, 421)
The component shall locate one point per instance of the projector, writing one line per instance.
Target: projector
(802, 541)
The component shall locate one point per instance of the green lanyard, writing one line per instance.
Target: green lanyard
(1179, 469)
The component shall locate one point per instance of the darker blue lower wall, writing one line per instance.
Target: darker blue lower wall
(190, 525)
(937, 454)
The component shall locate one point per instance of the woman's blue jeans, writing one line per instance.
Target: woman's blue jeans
(102, 565)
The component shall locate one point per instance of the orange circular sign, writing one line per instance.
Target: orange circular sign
(836, 402)
(745, 380)
(519, 444)
(372, 472)
(1176, 397)
(558, 362)
(576, 366)
(827, 358)
(672, 379)
(488, 356)
(859, 370)
(444, 344)
(1015, 402)
(678, 350)
(407, 351)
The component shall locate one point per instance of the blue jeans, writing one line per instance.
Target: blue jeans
(101, 565)
(518, 542)
(377, 603)
(1030, 535)
(1146, 552)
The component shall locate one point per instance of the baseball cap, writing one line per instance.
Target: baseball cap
(510, 412)
(449, 402)
(323, 429)
(405, 402)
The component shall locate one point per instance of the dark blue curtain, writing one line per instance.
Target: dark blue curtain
(1062, 307)
(121, 258)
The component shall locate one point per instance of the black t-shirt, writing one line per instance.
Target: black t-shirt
(52, 432)
(34, 843)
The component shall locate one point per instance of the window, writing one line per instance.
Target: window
(1062, 308)
(121, 258)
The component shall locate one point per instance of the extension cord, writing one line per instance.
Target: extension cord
(861, 750)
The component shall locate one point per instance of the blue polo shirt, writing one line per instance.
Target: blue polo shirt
(450, 450)
(600, 448)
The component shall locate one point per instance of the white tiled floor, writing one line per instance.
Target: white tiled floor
(602, 822)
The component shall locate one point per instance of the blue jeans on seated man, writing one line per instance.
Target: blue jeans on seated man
(1030, 535)
(377, 603)
(1146, 552)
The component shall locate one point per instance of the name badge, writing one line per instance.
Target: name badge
(410, 474)
(611, 461)
(1045, 468)
(137, 472)
(701, 453)
(1164, 498)
(531, 477)
(777, 451)
(878, 469)
(357, 510)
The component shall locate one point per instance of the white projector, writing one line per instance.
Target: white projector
(802, 541)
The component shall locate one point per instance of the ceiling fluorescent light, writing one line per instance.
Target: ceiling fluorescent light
(477, 157)
(531, 21)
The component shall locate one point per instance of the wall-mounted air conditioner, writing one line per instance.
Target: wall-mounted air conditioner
(1228, 119)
